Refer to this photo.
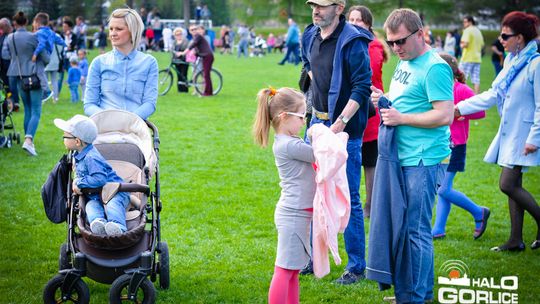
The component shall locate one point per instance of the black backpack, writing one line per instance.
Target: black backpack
(55, 190)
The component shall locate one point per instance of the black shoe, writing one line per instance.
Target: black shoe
(485, 216)
(348, 278)
(535, 244)
(520, 247)
(308, 269)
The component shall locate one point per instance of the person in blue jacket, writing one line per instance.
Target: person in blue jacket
(335, 54)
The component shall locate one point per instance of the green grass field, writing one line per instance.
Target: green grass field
(219, 191)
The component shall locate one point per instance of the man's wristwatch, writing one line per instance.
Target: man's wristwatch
(343, 118)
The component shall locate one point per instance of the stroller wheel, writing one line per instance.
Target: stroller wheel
(119, 293)
(53, 292)
(164, 277)
(8, 143)
(18, 138)
(64, 260)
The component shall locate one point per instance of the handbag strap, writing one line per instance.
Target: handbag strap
(16, 54)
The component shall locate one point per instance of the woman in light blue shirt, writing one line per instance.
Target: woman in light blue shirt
(123, 78)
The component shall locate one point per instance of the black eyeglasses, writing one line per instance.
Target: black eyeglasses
(69, 137)
(507, 36)
(314, 6)
(400, 41)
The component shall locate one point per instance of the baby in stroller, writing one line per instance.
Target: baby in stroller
(129, 261)
(105, 211)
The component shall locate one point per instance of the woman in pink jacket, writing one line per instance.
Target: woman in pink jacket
(459, 133)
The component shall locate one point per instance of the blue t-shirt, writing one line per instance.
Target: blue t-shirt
(415, 85)
(74, 76)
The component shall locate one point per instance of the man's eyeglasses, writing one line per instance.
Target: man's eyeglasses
(507, 36)
(314, 6)
(69, 137)
(400, 41)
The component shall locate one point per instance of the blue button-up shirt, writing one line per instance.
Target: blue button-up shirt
(117, 81)
(93, 171)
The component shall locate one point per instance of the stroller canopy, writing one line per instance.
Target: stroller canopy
(118, 126)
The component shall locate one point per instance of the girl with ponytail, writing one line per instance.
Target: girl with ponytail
(284, 110)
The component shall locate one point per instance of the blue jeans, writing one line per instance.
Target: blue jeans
(14, 88)
(293, 49)
(497, 66)
(243, 46)
(113, 211)
(74, 90)
(420, 184)
(354, 236)
(32, 109)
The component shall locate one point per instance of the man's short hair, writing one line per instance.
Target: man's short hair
(409, 18)
(470, 19)
(42, 19)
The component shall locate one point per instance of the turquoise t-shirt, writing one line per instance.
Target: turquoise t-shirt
(415, 84)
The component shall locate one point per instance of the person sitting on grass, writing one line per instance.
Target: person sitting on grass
(93, 171)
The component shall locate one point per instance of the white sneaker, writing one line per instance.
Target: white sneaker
(29, 148)
(113, 228)
(45, 98)
(98, 226)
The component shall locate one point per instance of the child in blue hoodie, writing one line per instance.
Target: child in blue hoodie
(74, 78)
(45, 36)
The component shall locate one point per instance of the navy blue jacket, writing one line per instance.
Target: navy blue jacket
(351, 76)
(389, 248)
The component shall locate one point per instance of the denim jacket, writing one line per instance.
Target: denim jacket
(93, 171)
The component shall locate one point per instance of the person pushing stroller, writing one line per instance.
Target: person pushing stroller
(106, 216)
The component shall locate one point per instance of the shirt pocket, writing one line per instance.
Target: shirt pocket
(110, 82)
(138, 82)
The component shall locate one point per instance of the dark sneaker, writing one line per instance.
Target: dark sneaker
(348, 278)
(483, 221)
(308, 269)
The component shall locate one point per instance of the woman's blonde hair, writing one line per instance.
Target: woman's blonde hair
(133, 21)
(178, 30)
(271, 103)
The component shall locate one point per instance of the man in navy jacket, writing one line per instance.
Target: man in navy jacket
(335, 54)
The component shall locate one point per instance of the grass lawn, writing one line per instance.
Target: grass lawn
(219, 191)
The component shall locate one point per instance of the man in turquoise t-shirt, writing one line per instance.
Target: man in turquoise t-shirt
(422, 106)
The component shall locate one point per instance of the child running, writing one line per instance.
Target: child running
(93, 171)
(459, 133)
(284, 110)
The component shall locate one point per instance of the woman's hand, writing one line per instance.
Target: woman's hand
(530, 149)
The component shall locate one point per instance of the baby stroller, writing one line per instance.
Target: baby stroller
(6, 121)
(259, 47)
(131, 147)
